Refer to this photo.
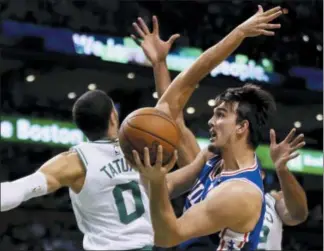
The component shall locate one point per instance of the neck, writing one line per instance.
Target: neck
(237, 157)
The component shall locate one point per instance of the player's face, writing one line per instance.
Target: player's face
(222, 125)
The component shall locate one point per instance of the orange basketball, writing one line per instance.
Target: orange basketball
(148, 127)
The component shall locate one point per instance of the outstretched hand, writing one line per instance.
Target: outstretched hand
(286, 150)
(259, 24)
(156, 172)
(155, 49)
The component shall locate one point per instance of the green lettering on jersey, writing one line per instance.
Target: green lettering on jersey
(116, 167)
(117, 164)
(103, 169)
(112, 169)
(124, 165)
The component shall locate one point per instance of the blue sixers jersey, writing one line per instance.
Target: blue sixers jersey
(225, 239)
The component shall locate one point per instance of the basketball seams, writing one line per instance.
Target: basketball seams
(142, 130)
(164, 116)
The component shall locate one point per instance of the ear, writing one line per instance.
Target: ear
(242, 127)
(113, 120)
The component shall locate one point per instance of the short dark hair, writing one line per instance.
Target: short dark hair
(91, 113)
(254, 105)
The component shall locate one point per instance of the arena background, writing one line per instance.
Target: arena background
(52, 51)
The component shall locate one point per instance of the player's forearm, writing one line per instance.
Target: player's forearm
(162, 77)
(294, 195)
(163, 218)
(15, 192)
(188, 147)
(185, 83)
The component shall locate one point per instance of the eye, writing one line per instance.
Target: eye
(219, 114)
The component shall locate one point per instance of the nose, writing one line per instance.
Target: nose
(210, 122)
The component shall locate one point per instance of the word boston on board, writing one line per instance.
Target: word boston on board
(30, 130)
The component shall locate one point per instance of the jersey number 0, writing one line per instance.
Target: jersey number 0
(120, 202)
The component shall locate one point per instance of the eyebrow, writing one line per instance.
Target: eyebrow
(219, 109)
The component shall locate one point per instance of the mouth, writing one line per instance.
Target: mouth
(212, 136)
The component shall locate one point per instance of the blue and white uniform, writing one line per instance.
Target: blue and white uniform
(225, 239)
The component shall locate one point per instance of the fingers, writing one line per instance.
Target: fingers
(138, 30)
(272, 16)
(273, 137)
(156, 29)
(293, 156)
(137, 160)
(147, 161)
(172, 162)
(290, 135)
(297, 140)
(269, 26)
(297, 147)
(173, 38)
(260, 9)
(272, 11)
(143, 25)
(159, 157)
(136, 40)
(265, 32)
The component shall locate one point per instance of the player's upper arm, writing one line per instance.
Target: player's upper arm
(223, 208)
(181, 180)
(283, 212)
(62, 170)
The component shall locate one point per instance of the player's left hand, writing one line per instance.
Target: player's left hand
(155, 49)
(156, 172)
(286, 150)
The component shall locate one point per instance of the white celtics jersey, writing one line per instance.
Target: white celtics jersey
(271, 233)
(112, 208)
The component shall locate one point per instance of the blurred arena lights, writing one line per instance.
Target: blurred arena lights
(191, 110)
(72, 95)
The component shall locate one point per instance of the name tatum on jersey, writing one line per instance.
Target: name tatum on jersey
(116, 167)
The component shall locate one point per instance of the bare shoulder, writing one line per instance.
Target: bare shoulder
(234, 196)
(65, 167)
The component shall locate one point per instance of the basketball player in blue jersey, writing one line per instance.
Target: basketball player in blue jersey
(231, 180)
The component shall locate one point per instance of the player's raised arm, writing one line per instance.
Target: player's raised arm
(182, 87)
(53, 175)
(291, 203)
(156, 51)
(220, 210)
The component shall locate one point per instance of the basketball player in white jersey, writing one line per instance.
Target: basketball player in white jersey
(108, 198)
(288, 206)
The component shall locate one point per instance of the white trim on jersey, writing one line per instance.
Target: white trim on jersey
(231, 173)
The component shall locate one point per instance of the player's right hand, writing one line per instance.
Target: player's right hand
(259, 23)
(156, 172)
(155, 49)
